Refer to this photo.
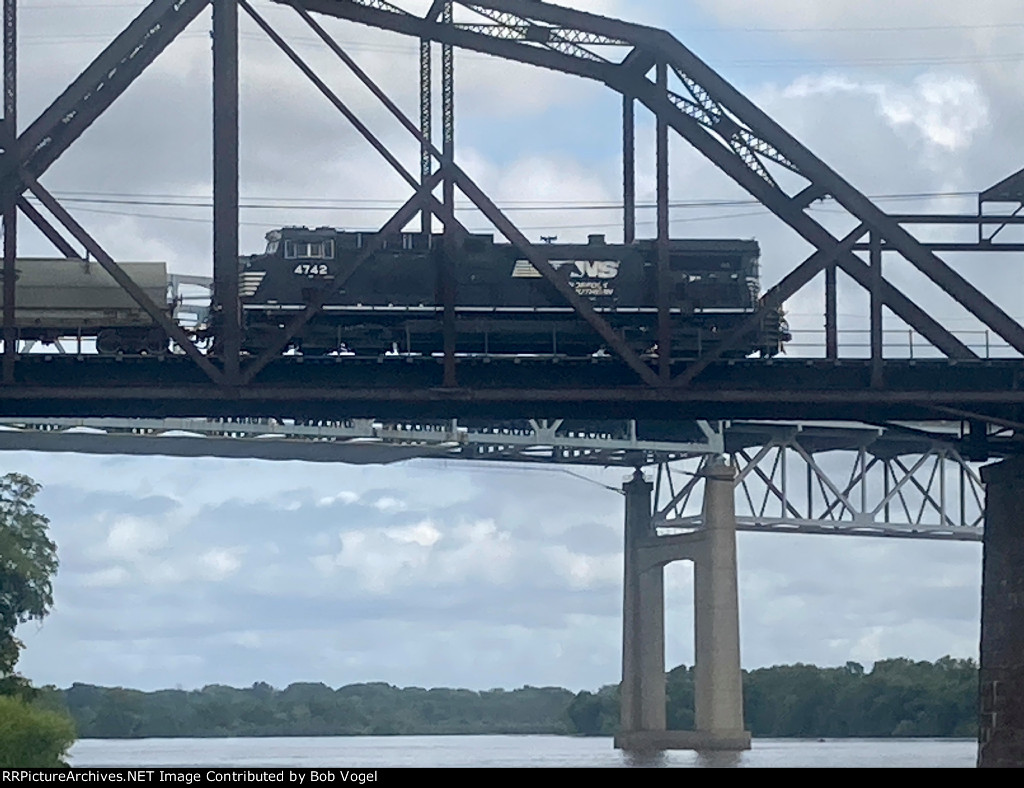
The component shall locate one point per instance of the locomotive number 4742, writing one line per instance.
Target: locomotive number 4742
(310, 269)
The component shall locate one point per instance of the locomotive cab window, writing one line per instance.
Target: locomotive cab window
(309, 250)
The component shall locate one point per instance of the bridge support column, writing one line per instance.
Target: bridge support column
(643, 622)
(717, 678)
(1001, 707)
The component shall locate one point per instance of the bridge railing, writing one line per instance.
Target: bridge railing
(903, 343)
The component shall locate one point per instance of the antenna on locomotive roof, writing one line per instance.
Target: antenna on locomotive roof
(549, 239)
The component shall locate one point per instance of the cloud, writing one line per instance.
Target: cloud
(131, 538)
(344, 497)
(220, 564)
(106, 578)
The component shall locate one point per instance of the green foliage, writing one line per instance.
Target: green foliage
(315, 710)
(898, 697)
(595, 714)
(33, 737)
(679, 699)
(28, 561)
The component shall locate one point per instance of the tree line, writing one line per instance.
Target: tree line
(897, 697)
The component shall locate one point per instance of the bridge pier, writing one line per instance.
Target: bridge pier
(718, 711)
(1001, 706)
(642, 695)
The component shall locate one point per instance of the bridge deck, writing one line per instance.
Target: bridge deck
(390, 387)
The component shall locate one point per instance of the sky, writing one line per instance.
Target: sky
(191, 572)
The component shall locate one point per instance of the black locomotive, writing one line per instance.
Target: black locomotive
(503, 305)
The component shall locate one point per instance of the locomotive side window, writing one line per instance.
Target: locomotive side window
(309, 250)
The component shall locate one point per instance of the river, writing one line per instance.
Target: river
(509, 751)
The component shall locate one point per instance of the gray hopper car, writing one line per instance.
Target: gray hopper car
(68, 297)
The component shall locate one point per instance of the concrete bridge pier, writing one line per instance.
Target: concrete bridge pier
(1001, 707)
(718, 682)
(642, 693)
(718, 679)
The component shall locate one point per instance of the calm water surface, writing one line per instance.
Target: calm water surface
(509, 751)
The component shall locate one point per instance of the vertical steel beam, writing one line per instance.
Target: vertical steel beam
(448, 107)
(225, 182)
(448, 245)
(8, 201)
(877, 337)
(426, 127)
(628, 169)
(831, 321)
(664, 316)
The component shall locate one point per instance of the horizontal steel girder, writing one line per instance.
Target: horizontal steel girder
(335, 387)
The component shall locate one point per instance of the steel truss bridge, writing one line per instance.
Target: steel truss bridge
(651, 70)
(842, 479)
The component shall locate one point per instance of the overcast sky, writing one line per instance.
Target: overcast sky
(184, 573)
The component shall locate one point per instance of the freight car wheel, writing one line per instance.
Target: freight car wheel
(108, 341)
(155, 342)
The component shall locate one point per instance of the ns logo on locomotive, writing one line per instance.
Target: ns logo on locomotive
(503, 305)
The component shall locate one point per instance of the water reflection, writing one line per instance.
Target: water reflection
(719, 760)
(641, 759)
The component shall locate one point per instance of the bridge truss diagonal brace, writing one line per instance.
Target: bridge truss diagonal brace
(51, 233)
(25, 158)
